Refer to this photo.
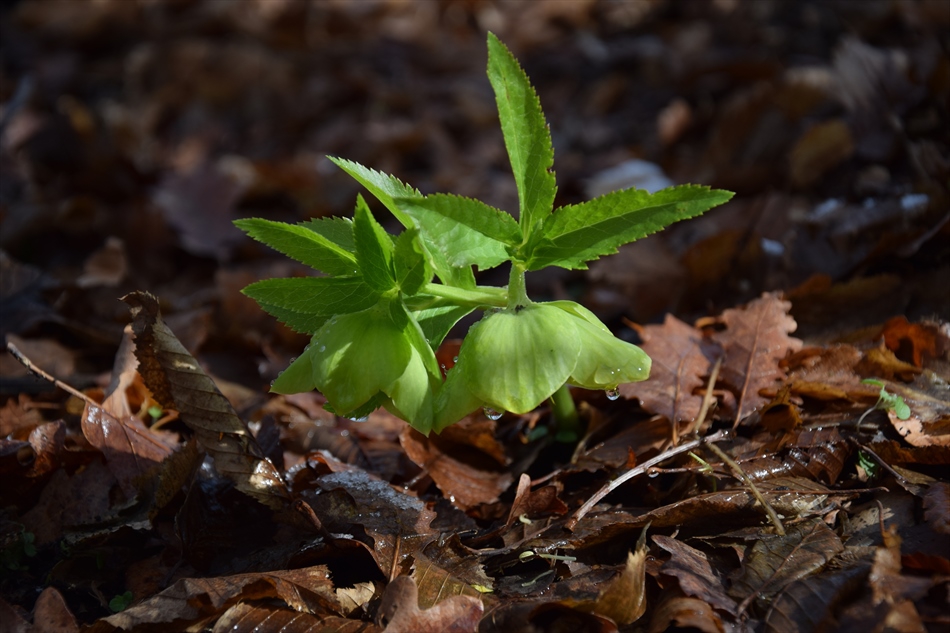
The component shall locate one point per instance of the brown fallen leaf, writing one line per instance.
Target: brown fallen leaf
(462, 483)
(445, 569)
(535, 503)
(52, 615)
(624, 597)
(776, 561)
(929, 402)
(193, 600)
(676, 613)
(254, 618)
(178, 382)
(399, 608)
(679, 363)
(755, 339)
(809, 604)
(695, 574)
(937, 507)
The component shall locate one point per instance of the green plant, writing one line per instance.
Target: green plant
(886, 401)
(378, 315)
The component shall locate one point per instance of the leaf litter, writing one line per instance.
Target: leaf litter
(219, 507)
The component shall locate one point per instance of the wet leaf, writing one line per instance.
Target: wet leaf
(253, 618)
(177, 380)
(695, 574)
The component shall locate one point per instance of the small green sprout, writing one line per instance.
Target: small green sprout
(377, 315)
(886, 402)
(121, 602)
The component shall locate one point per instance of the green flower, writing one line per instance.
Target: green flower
(364, 359)
(515, 359)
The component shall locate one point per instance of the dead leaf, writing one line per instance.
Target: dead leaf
(929, 400)
(106, 267)
(809, 604)
(679, 363)
(177, 381)
(820, 149)
(462, 483)
(681, 613)
(695, 574)
(755, 339)
(193, 600)
(399, 608)
(52, 615)
(254, 618)
(776, 561)
(623, 598)
(534, 503)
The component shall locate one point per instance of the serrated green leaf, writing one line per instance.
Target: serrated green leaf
(337, 229)
(386, 189)
(468, 232)
(526, 133)
(374, 248)
(582, 232)
(304, 303)
(301, 243)
(409, 263)
(436, 322)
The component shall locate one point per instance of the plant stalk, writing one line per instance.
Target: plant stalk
(567, 423)
(477, 297)
(517, 295)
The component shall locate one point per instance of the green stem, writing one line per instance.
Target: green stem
(517, 295)
(567, 424)
(476, 297)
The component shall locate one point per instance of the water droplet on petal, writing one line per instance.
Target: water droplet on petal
(613, 393)
(491, 414)
(455, 359)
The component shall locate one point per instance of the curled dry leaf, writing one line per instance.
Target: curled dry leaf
(678, 367)
(937, 507)
(682, 613)
(534, 503)
(755, 339)
(178, 382)
(254, 618)
(808, 604)
(929, 402)
(400, 609)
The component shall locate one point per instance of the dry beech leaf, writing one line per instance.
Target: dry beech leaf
(254, 618)
(754, 341)
(178, 382)
(400, 608)
(678, 367)
(447, 573)
(774, 562)
(929, 402)
(193, 600)
(696, 576)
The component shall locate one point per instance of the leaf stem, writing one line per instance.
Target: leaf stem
(477, 297)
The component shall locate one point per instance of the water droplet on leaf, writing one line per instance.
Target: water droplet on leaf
(491, 414)
(323, 348)
(613, 393)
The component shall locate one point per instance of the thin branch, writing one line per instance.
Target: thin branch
(36, 371)
(707, 399)
(638, 470)
(744, 478)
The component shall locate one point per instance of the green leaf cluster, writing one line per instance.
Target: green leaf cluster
(382, 304)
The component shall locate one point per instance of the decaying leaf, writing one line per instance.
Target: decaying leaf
(678, 367)
(682, 613)
(624, 597)
(755, 339)
(534, 503)
(937, 507)
(177, 381)
(400, 610)
(808, 604)
(928, 397)
(253, 618)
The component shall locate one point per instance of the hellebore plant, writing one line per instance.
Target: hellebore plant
(377, 316)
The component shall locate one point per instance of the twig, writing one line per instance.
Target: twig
(638, 470)
(36, 371)
(707, 401)
(769, 510)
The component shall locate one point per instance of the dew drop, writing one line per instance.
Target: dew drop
(452, 498)
(293, 358)
(491, 414)
(653, 474)
(362, 419)
(323, 348)
(455, 359)
(613, 393)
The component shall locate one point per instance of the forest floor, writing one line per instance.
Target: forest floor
(756, 482)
